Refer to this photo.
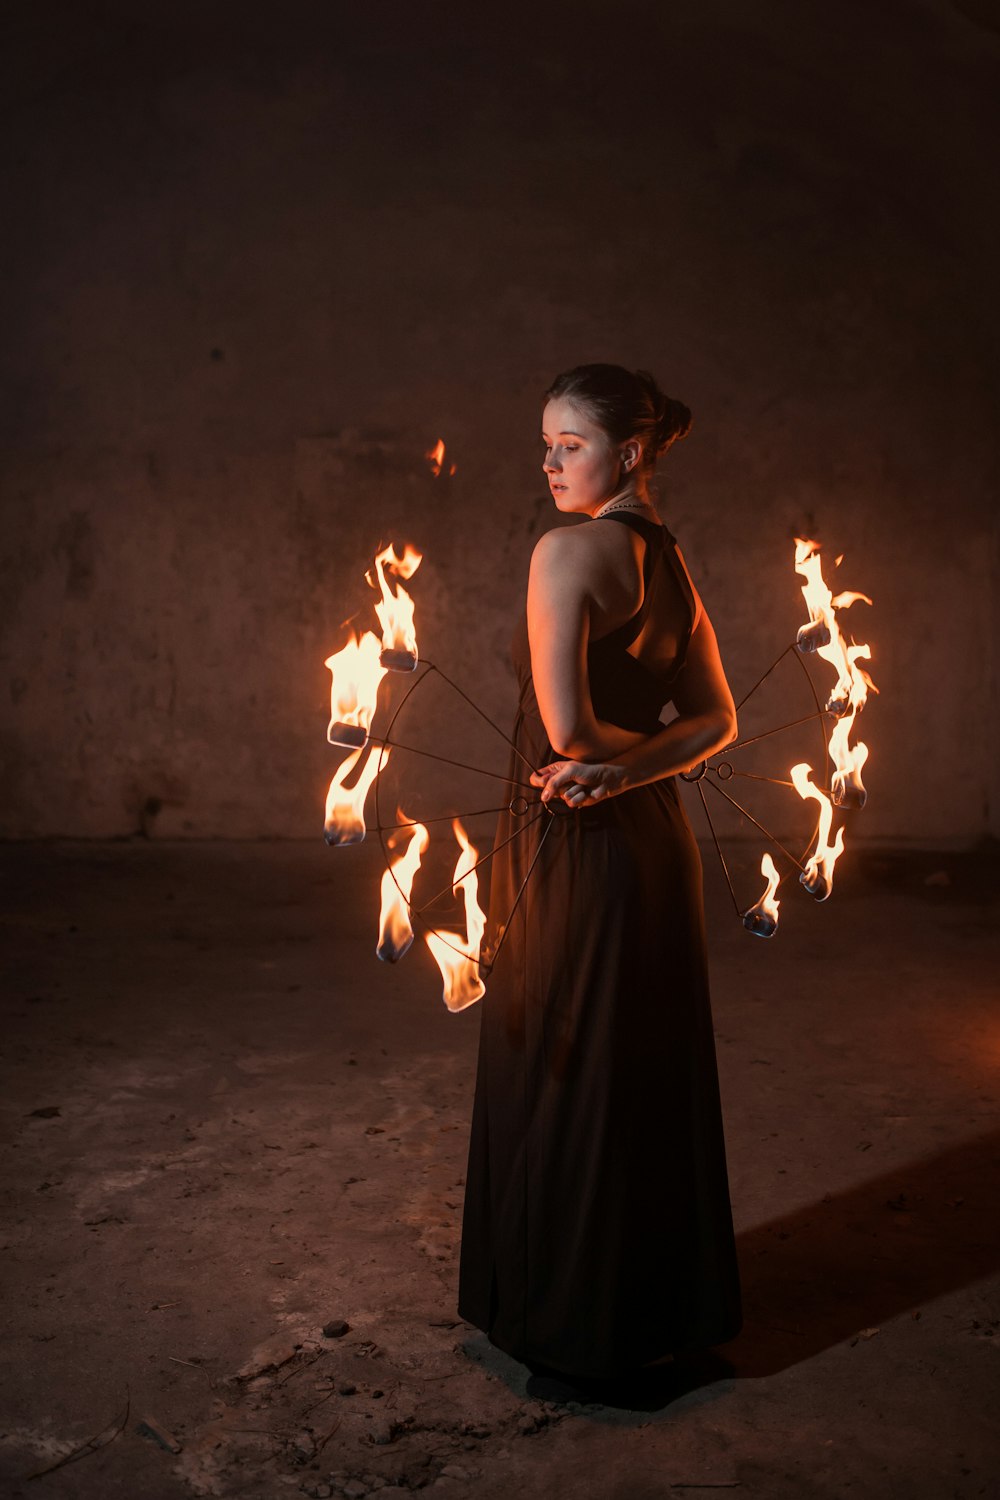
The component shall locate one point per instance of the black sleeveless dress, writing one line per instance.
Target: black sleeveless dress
(597, 1231)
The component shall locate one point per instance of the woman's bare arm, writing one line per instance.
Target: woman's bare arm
(706, 717)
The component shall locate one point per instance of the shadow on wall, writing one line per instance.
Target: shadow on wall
(847, 1264)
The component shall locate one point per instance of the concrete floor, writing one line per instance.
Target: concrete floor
(228, 1124)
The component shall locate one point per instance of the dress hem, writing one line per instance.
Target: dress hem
(616, 1372)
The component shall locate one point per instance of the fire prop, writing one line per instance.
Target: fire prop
(850, 694)
(820, 636)
(345, 819)
(762, 918)
(395, 934)
(458, 959)
(395, 612)
(817, 877)
(358, 672)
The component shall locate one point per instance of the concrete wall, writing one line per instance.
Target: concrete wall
(257, 264)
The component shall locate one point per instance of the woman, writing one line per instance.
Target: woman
(597, 1235)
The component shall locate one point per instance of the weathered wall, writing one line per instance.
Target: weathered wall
(257, 263)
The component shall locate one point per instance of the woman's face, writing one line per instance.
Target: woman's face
(581, 463)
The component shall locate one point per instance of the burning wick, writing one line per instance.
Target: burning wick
(846, 787)
(350, 736)
(398, 661)
(345, 815)
(395, 610)
(817, 877)
(848, 698)
(762, 918)
(395, 931)
(812, 636)
(458, 957)
(355, 674)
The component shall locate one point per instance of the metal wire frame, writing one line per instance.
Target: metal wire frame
(386, 742)
(714, 765)
(520, 806)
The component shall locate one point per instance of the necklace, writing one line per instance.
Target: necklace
(623, 505)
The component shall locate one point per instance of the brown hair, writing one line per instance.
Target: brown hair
(626, 404)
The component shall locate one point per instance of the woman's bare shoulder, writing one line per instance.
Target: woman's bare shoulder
(586, 548)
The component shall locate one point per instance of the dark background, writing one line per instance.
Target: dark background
(256, 261)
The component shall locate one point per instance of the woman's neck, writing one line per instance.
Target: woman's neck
(629, 497)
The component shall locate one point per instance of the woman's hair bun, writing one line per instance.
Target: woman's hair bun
(672, 419)
(673, 423)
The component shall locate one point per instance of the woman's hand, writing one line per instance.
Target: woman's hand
(579, 783)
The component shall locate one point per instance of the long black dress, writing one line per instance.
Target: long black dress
(597, 1231)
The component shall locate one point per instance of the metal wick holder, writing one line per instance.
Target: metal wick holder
(848, 790)
(389, 952)
(351, 736)
(812, 636)
(337, 838)
(760, 923)
(816, 883)
(395, 659)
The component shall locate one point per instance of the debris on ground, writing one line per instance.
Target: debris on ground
(149, 1427)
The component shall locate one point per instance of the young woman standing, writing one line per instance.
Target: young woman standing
(597, 1235)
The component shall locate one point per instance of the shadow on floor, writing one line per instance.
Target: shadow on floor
(856, 1259)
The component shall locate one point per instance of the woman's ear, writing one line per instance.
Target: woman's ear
(631, 453)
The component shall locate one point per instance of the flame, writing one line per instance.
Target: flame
(395, 933)
(853, 684)
(355, 677)
(459, 970)
(846, 787)
(395, 610)
(435, 456)
(817, 877)
(762, 917)
(849, 597)
(345, 818)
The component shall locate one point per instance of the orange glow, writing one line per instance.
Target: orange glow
(345, 818)
(395, 609)
(435, 456)
(817, 877)
(395, 932)
(762, 917)
(355, 677)
(459, 970)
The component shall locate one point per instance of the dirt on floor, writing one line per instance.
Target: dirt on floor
(235, 1157)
